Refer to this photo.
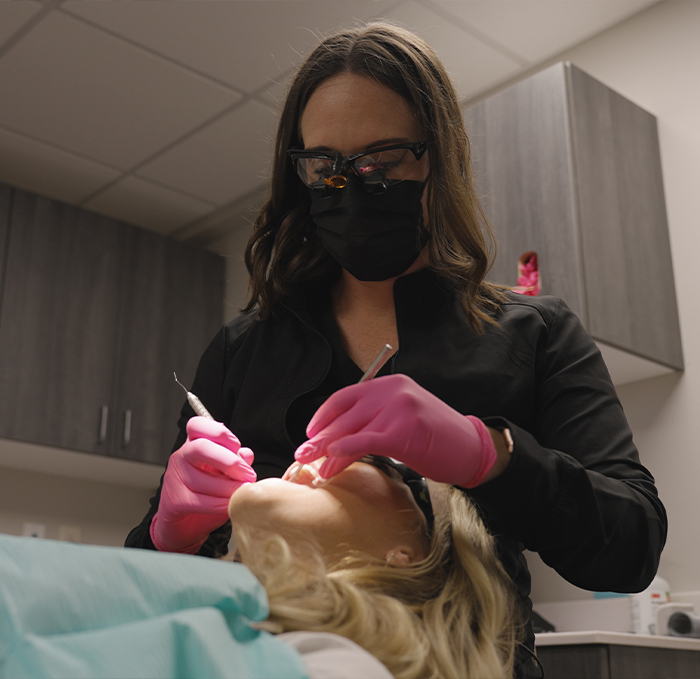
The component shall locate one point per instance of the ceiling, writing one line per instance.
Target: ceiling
(161, 112)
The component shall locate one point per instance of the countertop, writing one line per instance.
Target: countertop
(617, 638)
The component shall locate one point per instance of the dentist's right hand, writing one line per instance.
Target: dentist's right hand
(197, 486)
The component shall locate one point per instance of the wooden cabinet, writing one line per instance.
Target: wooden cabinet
(603, 655)
(5, 207)
(173, 302)
(95, 317)
(570, 169)
(58, 323)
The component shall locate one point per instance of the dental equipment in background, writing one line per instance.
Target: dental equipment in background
(373, 369)
(196, 404)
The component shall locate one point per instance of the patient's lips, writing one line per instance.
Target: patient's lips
(304, 474)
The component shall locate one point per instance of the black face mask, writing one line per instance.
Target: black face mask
(372, 236)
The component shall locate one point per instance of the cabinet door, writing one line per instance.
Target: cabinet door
(522, 167)
(58, 326)
(625, 245)
(5, 206)
(172, 301)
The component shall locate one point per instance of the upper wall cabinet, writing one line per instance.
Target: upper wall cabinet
(570, 169)
(95, 317)
(172, 299)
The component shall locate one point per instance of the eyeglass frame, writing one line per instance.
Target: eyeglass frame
(341, 163)
(417, 484)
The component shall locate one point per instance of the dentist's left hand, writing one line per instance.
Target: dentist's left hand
(198, 483)
(395, 417)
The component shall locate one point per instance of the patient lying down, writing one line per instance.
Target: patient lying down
(409, 575)
(365, 577)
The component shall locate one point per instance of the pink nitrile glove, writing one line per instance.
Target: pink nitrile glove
(198, 483)
(395, 417)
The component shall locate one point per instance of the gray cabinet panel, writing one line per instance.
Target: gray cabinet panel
(173, 296)
(624, 234)
(572, 170)
(588, 661)
(653, 663)
(59, 323)
(612, 661)
(522, 157)
(6, 194)
(95, 316)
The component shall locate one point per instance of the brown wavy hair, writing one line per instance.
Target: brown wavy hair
(283, 253)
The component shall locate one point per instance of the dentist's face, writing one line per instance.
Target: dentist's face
(361, 508)
(351, 113)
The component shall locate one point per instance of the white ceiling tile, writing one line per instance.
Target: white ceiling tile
(13, 15)
(244, 43)
(538, 29)
(78, 88)
(145, 204)
(473, 65)
(122, 82)
(37, 167)
(222, 161)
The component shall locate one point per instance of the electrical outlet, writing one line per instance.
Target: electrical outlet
(34, 530)
(70, 533)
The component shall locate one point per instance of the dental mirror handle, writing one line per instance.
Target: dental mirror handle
(376, 364)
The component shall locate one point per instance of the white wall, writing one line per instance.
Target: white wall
(232, 246)
(653, 59)
(104, 512)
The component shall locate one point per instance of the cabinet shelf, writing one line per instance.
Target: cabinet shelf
(72, 464)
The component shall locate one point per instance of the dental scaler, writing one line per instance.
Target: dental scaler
(196, 404)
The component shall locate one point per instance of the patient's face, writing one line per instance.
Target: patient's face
(361, 508)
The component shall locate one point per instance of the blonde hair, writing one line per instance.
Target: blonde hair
(448, 615)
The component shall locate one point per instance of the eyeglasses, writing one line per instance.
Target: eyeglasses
(415, 482)
(378, 168)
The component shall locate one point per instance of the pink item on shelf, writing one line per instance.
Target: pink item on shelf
(528, 275)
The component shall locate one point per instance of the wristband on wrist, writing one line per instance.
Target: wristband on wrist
(508, 439)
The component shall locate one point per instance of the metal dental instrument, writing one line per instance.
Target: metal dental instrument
(375, 365)
(196, 404)
(373, 369)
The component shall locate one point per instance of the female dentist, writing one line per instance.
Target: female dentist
(373, 234)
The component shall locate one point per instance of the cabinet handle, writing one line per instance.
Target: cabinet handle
(127, 428)
(103, 423)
